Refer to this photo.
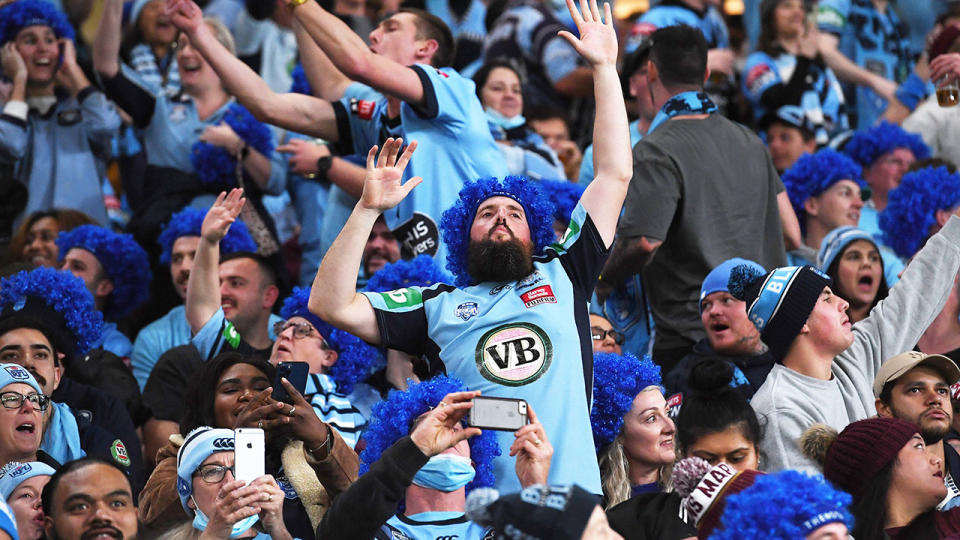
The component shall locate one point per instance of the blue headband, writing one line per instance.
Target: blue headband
(198, 446)
(836, 241)
(15, 473)
(617, 379)
(718, 279)
(15, 373)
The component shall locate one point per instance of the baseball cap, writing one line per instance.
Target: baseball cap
(897, 366)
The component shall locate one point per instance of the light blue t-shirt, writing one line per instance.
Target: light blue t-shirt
(432, 526)
(114, 341)
(156, 338)
(218, 331)
(528, 339)
(710, 22)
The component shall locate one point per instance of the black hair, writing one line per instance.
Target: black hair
(267, 270)
(834, 272)
(932, 163)
(680, 54)
(67, 468)
(483, 73)
(714, 406)
(869, 508)
(201, 390)
(429, 26)
(546, 112)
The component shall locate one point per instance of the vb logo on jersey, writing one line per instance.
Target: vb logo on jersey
(514, 354)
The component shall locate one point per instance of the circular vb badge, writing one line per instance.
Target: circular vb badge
(514, 354)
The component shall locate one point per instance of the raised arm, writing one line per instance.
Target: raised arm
(604, 197)
(848, 71)
(203, 288)
(295, 112)
(334, 297)
(355, 59)
(106, 45)
(326, 81)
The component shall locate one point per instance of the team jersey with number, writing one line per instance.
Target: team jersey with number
(526, 339)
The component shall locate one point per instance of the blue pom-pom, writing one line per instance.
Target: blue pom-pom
(421, 271)
(392, 419)
(617, 379)
(741, 276)
(813, 174)
(867, 145)
(20, 14)
(456, 221)
(188, 222)
(216, 167)
(300, 84)
(63, 292)
(912, 206)
(564, 195)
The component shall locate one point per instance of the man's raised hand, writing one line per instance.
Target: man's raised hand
(185, 15)
(221, 215)
(382, 187)
(597, 43)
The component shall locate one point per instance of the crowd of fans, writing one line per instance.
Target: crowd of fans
(707, 251)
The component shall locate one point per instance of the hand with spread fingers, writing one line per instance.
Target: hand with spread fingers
(299, 419)
(222, 215)
(597, 43)
(235, 501)
(382, 187)
(533, 451)
(439, 428)
(270, 500)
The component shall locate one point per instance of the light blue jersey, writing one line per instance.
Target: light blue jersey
(218, 332)
(432, 526)
(114, 341)
(468, 31)
(586, 166)
(156, 338)
(528, 339)
(672, 12)
(455, 145)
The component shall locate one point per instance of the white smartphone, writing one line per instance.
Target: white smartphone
(248, 454)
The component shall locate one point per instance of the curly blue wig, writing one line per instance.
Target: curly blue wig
(18, 15)
(188, 222)
(912, 206)
(783, 506)
(393, 417)
(355, 359)
(123, 260)
(300, 84)
(456, 221)
(813, 174)
(56, 303)
(617, 379)
(564, 196)
(421, 271)
(214, 165)
(868, 145)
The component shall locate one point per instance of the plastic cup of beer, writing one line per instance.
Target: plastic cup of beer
(948, 91)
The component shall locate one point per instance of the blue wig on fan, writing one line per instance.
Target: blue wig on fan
(54, 302)
(122, 259)
(456, 221)
(20, 14)
(868, 145)
(421, 271)
(617, 379)
(215, 166)
(564, 196)
(393, 417)
(912, 206)
(355, 359)
(188, 222)
(300, 84)
(786, 505)
(812, 174)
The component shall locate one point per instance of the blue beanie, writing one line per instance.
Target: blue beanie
(617, 379)
(456, 221)
(18, 15)
(216, 167)
(812, 174)
(719, 278)
(780, 302)
(786, 505)
(355, 359)
(866, 146)
(15, 473)
(912, 206)
(836, 241)
(15, 373)
(393, 417)
(188, 222)
(123, 260)
(198, 446)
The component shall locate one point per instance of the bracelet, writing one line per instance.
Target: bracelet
(324, 444)
(292, 4)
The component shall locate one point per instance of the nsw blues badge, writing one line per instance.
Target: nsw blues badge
(467, 310)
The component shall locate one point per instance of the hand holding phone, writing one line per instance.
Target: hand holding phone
(296, 373)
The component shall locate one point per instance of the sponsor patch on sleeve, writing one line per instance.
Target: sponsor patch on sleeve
(759, 77)
(231, 335)
(829, 17)
(402, 298)
(362, 108)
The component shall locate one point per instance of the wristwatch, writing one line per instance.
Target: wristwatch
(323, 167)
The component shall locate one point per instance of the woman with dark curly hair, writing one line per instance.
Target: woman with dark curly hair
(310, 461)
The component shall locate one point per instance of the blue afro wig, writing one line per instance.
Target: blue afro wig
(393, 417)
(868, 145)
(216, 167)
(617, 379)
(421, 271)
(300, 84)
(912, 206)
(123, 260)
(355, 359)
(564, 196)
(788, 505)
(813, 174)
(188, 221)
(20, 14)
(456, 221)
(54, 302)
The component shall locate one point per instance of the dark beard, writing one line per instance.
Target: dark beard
(499, 262)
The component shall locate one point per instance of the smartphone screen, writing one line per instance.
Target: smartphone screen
(296, 373)
(248, 454)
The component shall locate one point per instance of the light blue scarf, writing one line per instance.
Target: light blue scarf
(61, 438)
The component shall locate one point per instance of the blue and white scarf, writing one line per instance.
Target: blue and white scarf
(683, 104)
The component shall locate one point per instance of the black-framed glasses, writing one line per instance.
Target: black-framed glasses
(598, 334)
(212, 473)
(14, 400)
(300, 329)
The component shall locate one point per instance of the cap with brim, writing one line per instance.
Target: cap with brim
(900, 364)
(15, 473)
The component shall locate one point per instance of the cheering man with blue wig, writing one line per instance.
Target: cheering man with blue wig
(516, 325)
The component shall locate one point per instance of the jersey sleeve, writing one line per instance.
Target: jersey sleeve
(653, 194)
(581, 251)
(401, 318)
(216, 333)
(759, 75)
(832, 15)
(13, 134)
(445, 97)
(358, 122)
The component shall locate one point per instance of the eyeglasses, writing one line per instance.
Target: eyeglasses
(212, 474)
(300, 329)
(599, 334)
(14, 400)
